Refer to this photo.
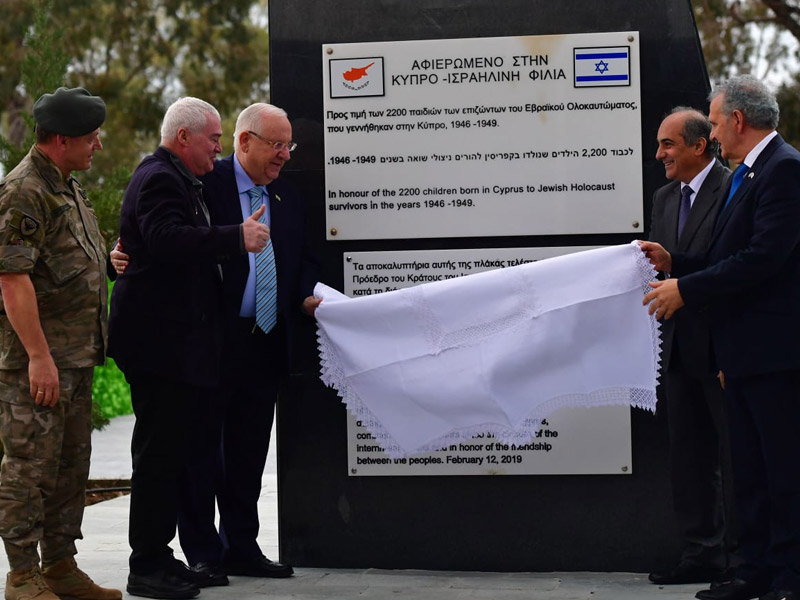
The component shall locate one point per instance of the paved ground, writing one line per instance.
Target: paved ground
(104, 552)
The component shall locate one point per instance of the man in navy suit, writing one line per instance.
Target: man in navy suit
(750, 279)
(684, 213)
(256, 358)
(165, 329)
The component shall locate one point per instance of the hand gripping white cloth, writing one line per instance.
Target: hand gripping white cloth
(494, 352)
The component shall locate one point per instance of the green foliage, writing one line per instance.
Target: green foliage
(11, 154)
(106, 197)
(45, 62)
(789, 125)
(42, 69)
(739, 37)
(110, 392)
(98, 420)
(111, 395)
(139, 56)
(759, 37)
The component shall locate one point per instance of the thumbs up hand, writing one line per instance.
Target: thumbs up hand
(256, 234)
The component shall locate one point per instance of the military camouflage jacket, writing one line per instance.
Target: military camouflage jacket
(48, 229)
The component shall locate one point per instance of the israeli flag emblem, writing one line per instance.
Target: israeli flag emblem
(602, 67)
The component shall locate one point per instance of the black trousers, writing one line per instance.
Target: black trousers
(166, 412)
(700, 467)
(228, 460)
(764, 414)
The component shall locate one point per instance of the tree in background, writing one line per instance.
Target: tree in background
(139, 56)
(42, 69)
(761, 37)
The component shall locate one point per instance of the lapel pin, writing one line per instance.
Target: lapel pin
(278, 198)
(751, 174)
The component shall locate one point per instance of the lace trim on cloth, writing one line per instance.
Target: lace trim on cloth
(648, 273)
(421, 371)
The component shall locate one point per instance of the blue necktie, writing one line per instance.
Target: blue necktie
(685, 207)
(266, 280)
(738, 176)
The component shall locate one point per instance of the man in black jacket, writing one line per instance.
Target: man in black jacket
(750, 280)
(165, 328)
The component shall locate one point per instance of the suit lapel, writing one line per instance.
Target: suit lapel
(275, 216)
(230, 201)
(705, 201)
(747, 183)
(671, 207)
(231, 212)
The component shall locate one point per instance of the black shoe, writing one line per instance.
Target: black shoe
(181, 570)
(161, 584)
(781, 595)
(260, 567)
(208, 574)
(736, 589)
(726, 576)
(685, 573)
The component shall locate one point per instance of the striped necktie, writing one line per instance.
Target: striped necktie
(266, 280)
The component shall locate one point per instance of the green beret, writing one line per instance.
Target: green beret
(71, 112)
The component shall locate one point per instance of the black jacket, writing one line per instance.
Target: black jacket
(166, 308)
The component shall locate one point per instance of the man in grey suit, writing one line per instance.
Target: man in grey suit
(684, 212)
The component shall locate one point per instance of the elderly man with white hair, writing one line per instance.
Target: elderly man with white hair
(165, 329)
(265, 296)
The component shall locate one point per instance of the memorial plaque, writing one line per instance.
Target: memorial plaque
(535, 135)
(345, 71)
(572, 442)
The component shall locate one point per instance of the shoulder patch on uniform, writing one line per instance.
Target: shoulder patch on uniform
(28, 226)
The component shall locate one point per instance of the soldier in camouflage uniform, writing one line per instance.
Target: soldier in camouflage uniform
(53, 319)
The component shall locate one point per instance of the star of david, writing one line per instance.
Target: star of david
(601, 67)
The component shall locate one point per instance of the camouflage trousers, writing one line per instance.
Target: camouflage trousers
(45, 467)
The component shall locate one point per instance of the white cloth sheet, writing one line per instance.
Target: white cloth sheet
(493, 352)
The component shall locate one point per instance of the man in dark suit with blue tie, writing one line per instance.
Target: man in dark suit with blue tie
(263, 302)
(684, 213)
(750, 280)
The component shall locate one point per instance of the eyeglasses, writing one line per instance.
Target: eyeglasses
(277, 146)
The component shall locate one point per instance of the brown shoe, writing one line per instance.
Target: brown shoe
(70, 583)
(28, 584)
